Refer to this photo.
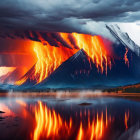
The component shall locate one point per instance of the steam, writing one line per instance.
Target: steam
(79, 94)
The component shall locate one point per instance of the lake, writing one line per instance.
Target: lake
(80, 115)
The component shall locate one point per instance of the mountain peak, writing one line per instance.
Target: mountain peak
(124, 38)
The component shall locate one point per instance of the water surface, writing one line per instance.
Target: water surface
(67, 115)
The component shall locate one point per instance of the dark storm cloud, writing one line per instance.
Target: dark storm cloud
(85, 16)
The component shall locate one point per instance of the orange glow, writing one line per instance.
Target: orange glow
(22, 103)
(49, 124)
(21, 81)
(95, 49)
(126, 58)
(80, 134)
(126, 119)
(5, 72)
(49, 58)
(7, 110)
(95, 130)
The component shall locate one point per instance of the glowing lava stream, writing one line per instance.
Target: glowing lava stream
(50, 57)
(126, 58)
(95, 49)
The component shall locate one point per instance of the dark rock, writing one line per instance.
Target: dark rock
(85, 104)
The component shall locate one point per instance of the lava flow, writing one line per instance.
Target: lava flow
(95, 49)
(50, 57)
(126, 58)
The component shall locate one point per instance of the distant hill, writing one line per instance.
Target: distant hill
(126, 89)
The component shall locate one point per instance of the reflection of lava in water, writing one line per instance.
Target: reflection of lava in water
(126, 119)
(51, 57)
(7, 111)
(95, 129)
(46, 123)
(50, 125)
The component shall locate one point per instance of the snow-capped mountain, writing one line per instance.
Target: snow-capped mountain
(124, 38)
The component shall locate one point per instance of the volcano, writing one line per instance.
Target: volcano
(79, 72)
(90, 62)
(71, 72)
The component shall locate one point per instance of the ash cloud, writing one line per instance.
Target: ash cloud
(86, 16)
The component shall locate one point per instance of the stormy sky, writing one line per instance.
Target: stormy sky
(85, 16)
(82, 16)
(19, 18)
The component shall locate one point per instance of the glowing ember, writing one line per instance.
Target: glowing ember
(126, 58)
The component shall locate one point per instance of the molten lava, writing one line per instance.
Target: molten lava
(95, 49)
(49, 57)
(48, 60)
(126, 58)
